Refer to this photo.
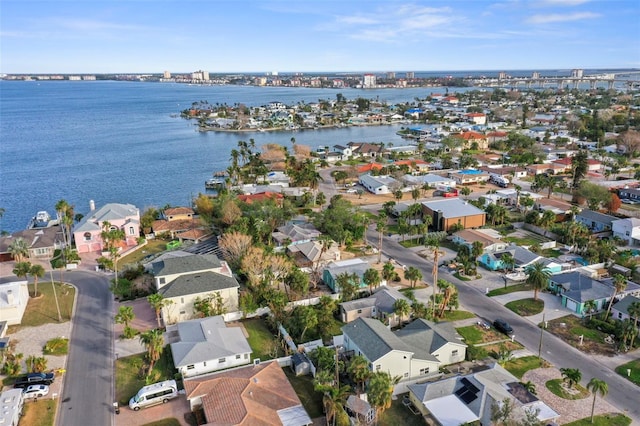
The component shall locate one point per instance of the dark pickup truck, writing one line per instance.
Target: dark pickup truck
(34, 379)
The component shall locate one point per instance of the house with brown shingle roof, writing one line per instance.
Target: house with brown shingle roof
(256, 395)
(179, 222)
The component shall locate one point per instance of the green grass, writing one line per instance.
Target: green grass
(303, 385)
(457, 315)
(152, 247)
(164, 422)
(635, 371)
(472, 334)
(260, 339)
(398, 414)
(603, 420)
(519, 366)
(56, 346)
(42, 310)
(551, 253)
(526, 307)
(414, 242)
(128, 377)
(555, 386)
(40, 413)
(460, 277)
(509, 289)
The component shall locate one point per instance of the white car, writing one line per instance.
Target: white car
(35, 391)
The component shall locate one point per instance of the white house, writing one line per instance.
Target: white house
(205, 345)
(417, 350)
(184, 279)
(14, 297)
(11, 402)
(379, 184)
(628, 230)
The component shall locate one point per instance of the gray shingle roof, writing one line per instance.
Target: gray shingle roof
(623, 305)
(427, 337)
(199, 282)
(581, 288)
(181, 265)
(453, 207)
(382, 298)
(207, 339)
(373, 338)
(109, 212)
(596, 217)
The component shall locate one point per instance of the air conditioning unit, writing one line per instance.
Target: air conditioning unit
(256, 361)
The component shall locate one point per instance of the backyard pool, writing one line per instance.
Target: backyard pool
(470, 172)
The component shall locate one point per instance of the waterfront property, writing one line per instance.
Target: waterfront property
(41, 242)
(87, 232)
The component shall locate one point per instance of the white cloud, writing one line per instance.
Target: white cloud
(564, 2)
(548, 19)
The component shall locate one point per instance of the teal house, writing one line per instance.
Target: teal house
(577, 289)
(350, 266)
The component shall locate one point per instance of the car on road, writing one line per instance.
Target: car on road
(35, 391)
(34, 379)
(503, 326)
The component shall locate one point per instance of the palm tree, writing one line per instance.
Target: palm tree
(597, 386)
(111, 236)
(508, 261)
(401, 308)
(381, 225)
(628, 331)
(380, 391)
(125, 316)
(571, 375)
(371, 278)
(413, 274)
(538, 277)
(634, 312)
(18, 249)
(590, 307)
(530, 387)
(36, 271)
(388, 271)
(153, 341)
(619, 284)
(157, 302)
(22, 269)
(359, 370)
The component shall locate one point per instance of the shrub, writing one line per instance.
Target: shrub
(604, 326)
(56, 346)
(475, 352)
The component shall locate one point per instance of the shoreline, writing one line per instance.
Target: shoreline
(284, 129)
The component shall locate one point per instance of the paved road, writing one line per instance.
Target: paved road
(622, 394)
(87, 397)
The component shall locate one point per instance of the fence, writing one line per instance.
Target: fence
(238, 315)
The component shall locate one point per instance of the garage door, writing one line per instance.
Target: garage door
(571, 305)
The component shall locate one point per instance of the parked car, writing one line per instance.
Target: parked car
(503, 326)
(35, 391)
(34, 379)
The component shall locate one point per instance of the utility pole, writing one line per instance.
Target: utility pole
(541, 334)
(55, 296)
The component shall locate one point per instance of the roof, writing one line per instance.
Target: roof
(377, 181)
(426, 337)
(470, 236)
(178, 210)
(383, 298)
(253, 395)
(250, 198)
(196, 283)
(559, 204)
(469, 136)
(296, 232)
(581, 288)
(521, 255)
(453, 207)
(357, 266)
(596, 216)
(109, 212)
(186, 264)
(201, 340)
(373, 338)
(450, 411)
(35, 238)
(623, 305)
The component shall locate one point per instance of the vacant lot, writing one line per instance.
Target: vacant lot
(570, 328)
(526, 307)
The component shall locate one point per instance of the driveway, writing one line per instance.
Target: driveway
(553, 308)
(145, 319)
(176, 408)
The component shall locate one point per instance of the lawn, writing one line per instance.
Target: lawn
(128, 379)
(413, 242)
(398, 414)
(526, 307)
(40, 413)
(570, 328)
(303, 385)
(551, 253)
(152, 247)
(556, 387)
(261, 340)
(509, 289)
(519, 366)
(634, 366)
(43, 309)
(164, 422)
(457, 315)
(473, 335)
(603, 420)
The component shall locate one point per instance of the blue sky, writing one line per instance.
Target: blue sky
(94, 36)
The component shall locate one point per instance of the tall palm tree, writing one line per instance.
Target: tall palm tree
(18, 249)
(634, 312)
(381, 225)
(380, 391)
(125, 316)
(401, 308)
(628, 331)
(597, 386)
(619, 284)
(359, 370)
(508, 261)
(413, 274)
(538, 277)
(590, 307)
(571, 375)
(371, 278)
(36, 271)
(22, 269)
(153, 341)
(157, 302)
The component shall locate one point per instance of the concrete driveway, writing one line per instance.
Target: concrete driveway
(552, 305)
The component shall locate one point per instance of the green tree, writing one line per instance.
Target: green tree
(18, 249)
(153, 341)
(508, 262)
(619, 284)
(359, 370)
(211, 305)
(579, 167)
(413, 274)
(537, 277)
(388, 271)
(112, 236)
(36, 271)
(381, 225)
(401, 308)
(597, 386)
(380, 391)
(397, 194)
(22, 269)
(634, 312)
(371, 278)
(126, 316)
(158, 302)
(308, 319)
(348, 284)
(571, 376)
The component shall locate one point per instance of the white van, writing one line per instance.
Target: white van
(158, 393)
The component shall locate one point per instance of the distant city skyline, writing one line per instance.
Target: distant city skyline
(316, 36)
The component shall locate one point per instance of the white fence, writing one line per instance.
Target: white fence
(238, 315)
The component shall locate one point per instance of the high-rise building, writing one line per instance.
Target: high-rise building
(577, 73)
(410, 75)
(369, 80)
(167, 74)
(535, 75)
(391, 75)
(502, 75)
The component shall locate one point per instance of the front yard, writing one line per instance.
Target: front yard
(42, 310)
(128, 377)
(570, 329)
(634, 375)
(526, 307)
(509, 289)
(519, 366)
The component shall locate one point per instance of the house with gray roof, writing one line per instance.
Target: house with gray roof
(185, 279)
(378, 305)
(627, 230)
(379, 184)
(205, 345)
(595, 221)
(291, 234)
(620, 310)
(493, 259)
(465, 399)
(356, 267)
(576, 289)
(87, 232)
(416, 351)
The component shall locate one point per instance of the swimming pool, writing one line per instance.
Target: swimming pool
(470, 172)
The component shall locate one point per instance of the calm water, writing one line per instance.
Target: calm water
(120, 141)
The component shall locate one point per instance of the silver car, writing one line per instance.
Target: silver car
(35, 391)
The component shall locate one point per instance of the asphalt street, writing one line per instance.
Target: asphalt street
(622, 394)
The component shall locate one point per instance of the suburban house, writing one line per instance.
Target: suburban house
(450, 212)
(364, 149)
(465, 399)
(186, 278)
(312, 254)
(433, 181)
(379, 184)
(470, 236)
(595, 221)
(350, 266)
(560, 208)
(11, 404)
(378, 305)
(628, 230)
(576, 289)
(258, 394)
(620, 310)
(87, 232)
(14, 297)
(629, 194)
(343, 152)
(360, 410)
(176, 221)
(41, 242)
(416, 351)
(468, 177)
(205, 345)
(291, 234)
(493, 260)
(468, 139)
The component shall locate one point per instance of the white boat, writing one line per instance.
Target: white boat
(516, 276)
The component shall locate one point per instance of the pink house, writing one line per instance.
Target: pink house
(123, 216)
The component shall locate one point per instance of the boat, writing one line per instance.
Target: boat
(516, 276)
(42, 219)
(214, 183)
